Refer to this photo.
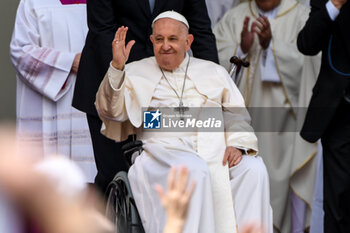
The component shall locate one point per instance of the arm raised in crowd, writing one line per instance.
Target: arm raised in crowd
(176, 200)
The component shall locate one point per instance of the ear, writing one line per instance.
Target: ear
(189, 41)
(151, 38)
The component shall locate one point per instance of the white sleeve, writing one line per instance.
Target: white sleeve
(45, 70)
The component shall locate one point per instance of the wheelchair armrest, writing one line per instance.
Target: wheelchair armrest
(130, 148)
(131, 145)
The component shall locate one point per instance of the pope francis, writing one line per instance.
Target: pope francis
(229, 177)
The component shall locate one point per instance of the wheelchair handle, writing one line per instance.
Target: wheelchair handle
(239, 62)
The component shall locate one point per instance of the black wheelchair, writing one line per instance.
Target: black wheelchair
(121, 207)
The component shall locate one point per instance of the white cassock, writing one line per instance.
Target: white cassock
(121, 97)
(277, 79)
(47, 36)
(217, 9)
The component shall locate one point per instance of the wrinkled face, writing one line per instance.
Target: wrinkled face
(267, 5)
(170, 40)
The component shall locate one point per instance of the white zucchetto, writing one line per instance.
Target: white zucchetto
(172, 15)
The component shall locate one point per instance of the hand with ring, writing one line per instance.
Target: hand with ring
(120, 51)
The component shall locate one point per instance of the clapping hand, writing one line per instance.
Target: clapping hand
(261, 27)
(264, 31)
(247, 36)
(120, 51)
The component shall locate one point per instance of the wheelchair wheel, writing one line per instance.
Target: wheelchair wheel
(121, 208)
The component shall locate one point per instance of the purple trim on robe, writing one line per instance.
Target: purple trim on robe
(69, 2)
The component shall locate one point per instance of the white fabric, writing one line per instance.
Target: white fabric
(268, 63)
(250, 177)
(317, 217)
(171, 15)
(217, 8)
(240, 54)
(47, 36)
(207, 85)
(10, 218)
(268, 66)
(298, 213)
(333, 12)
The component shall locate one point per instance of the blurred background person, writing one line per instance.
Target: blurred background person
(45, 51)
(275, 85)
(217, 8)
(48, 192)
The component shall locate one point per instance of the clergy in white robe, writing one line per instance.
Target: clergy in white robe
(217, 8)
(276, 79)
(155, 83)
(47, 40)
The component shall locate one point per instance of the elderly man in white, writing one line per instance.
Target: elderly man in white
(174, 79)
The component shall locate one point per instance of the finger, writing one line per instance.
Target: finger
(237, 161)
(230, 158)
(129, 46)
(116, 34)
(257, 27)
(160, 191)
(246, 23)
(236, 153)
(171, 178)
(266, 20)
(123, 36)
(231, 162)
(116, 41)
(181, 182)
(261, 22)
(254, 28)
(121, 33)
(227, 154)
(261, 36)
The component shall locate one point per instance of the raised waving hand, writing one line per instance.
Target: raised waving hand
(121, 51)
